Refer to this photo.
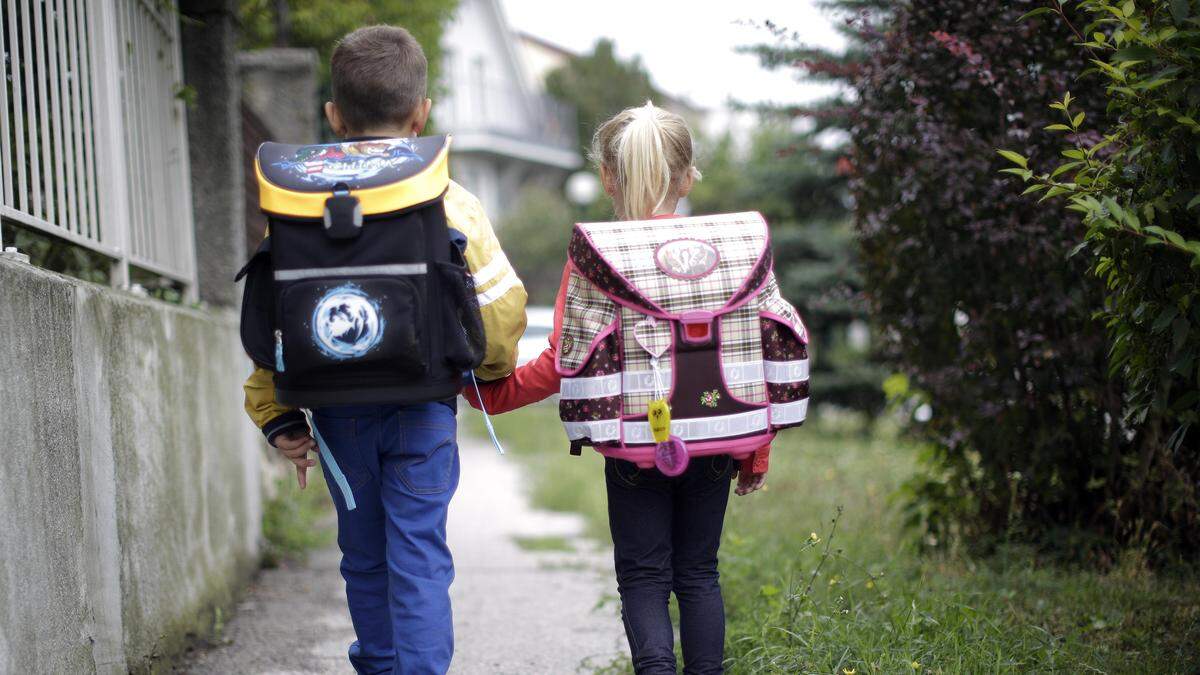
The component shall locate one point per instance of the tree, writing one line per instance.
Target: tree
(599, 85)
(794, 182)
(536, 234)
(320, 23)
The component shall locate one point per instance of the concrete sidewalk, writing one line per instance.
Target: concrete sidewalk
(515, 611)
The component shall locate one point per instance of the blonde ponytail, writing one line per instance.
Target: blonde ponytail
(648, 151)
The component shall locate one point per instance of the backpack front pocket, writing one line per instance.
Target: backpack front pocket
(360, 323)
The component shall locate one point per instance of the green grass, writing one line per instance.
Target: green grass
(559, 544)
(297, 521)
(807, 595)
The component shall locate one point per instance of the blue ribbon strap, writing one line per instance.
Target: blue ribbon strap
(487, 419)
(331, 464)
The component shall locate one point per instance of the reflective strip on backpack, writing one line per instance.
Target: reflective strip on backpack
(350, 271)
(597, 430)
(789, 413)
(782, 372)
(600, 386)
(701, 428)
(642, 381)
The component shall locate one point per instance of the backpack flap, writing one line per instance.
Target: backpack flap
(385, 175)
(666, 267)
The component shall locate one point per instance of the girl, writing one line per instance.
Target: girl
(665, 531)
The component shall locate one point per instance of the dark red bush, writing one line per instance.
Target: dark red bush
(973, 286)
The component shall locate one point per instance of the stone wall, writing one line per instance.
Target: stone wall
(130, 489)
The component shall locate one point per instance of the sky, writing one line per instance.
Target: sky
(687, 47)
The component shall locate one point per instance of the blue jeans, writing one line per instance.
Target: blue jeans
(666, 532)
(401, 463)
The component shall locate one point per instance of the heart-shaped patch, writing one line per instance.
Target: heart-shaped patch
(653, 335)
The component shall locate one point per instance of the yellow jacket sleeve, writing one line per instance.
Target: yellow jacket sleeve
(499, 290)
(267, 413)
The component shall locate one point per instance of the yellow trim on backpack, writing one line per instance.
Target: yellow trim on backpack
(425, 185)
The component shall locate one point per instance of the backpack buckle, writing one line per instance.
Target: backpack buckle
(697, 327)
(343, 214)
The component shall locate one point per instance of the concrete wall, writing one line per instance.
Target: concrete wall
(130, 488)
(280, 86)
(209, 38)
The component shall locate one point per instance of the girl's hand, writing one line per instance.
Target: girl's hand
(749, 482)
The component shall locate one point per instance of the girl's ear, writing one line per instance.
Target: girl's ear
(335, 119)
(688, 182)
(608, 181)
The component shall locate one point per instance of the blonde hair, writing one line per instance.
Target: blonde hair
(648, 151)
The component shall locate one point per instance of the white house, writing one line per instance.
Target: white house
(507, 132)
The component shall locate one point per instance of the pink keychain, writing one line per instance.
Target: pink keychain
(671, 456)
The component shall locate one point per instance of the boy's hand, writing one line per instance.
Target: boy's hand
(295, 445)
(750, 482)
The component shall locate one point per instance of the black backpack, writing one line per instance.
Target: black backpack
(359, 295)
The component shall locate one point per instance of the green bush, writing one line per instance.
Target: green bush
(1136, 182)
(989, 321)
(535, 235)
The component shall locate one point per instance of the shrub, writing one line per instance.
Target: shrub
(981, 308)
(1137, 185)
(535, 235)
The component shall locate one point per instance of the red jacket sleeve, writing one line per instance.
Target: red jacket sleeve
(532, 382)
(759, 462)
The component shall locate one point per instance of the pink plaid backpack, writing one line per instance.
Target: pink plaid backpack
(675, 341)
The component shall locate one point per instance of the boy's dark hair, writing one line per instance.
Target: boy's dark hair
(378, 76)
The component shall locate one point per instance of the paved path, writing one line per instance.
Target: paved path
(515, 611)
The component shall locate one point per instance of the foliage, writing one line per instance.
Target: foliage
(794, 182)
(1137, 183)
(320, 23)
(979, 305)
(536, 233)
(296, 521)
(599, 85)
(51, 253)
(858, 599)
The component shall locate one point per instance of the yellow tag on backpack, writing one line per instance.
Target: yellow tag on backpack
(660, 420)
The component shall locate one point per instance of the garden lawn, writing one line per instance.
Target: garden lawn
(806, 594)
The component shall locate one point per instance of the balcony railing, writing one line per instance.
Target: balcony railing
(505, 110)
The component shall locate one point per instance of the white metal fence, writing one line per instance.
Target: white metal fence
(93, 131)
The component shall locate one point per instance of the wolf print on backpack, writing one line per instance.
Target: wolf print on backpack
(675, 341)
(358, 295)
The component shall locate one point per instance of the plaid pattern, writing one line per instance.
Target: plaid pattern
(741, 342)
(629, 247)
(586, 313)
(770, 300)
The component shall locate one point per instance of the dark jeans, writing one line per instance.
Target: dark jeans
(666, 532)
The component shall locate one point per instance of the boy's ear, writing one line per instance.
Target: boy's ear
(335, 119)
(420, 117)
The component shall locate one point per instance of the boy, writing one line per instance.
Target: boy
(401, 462)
